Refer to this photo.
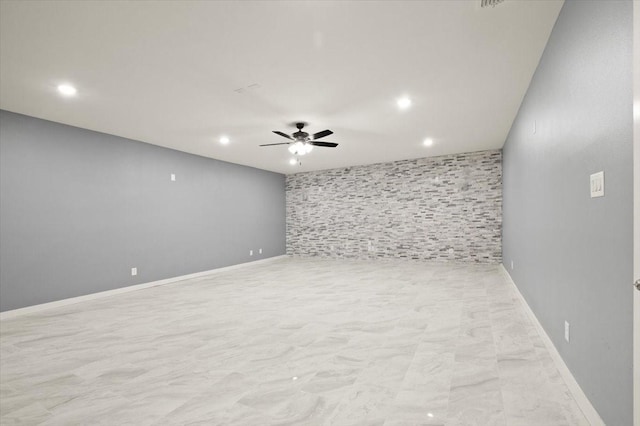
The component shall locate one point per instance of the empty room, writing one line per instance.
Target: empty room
(320, 212)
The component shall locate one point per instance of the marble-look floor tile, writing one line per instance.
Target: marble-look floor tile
(292, 342)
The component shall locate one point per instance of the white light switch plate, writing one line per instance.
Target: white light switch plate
(173, 177)
(597, 184)
(134, 272)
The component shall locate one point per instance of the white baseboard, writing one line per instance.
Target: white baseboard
(72, 300)
(581, 399)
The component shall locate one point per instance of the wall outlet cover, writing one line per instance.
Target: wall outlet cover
(134, 272)
(597, 184)
(173, 177)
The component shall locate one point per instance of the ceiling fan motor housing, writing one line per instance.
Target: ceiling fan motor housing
(301, 135)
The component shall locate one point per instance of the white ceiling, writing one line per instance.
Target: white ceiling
(166, 73)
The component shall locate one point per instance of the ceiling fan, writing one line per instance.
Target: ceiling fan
(301, 143)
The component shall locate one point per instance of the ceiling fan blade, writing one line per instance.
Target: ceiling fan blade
(271, 144)
(325, 144)
(322, 134)
(284, 135)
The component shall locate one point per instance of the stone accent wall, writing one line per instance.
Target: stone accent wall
(445, 208)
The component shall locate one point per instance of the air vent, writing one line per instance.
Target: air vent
(487, 3)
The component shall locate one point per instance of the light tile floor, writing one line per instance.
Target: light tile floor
(291, 342)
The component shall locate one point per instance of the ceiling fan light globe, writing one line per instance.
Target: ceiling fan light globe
(298, 148)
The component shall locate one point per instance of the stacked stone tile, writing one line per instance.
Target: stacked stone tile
(445, 208)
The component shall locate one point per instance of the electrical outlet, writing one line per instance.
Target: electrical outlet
(566, 331)
(250, 252)
(597, 184)
(134, 272)
(173, 177)
(260, 251)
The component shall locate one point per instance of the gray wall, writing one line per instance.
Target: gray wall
(573, 254)
(79, 209)
(441, 208)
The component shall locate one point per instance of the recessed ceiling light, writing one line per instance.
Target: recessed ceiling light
(404, 102)
(67, 89)
(293, 161)
(428, 142)
(224, 140)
